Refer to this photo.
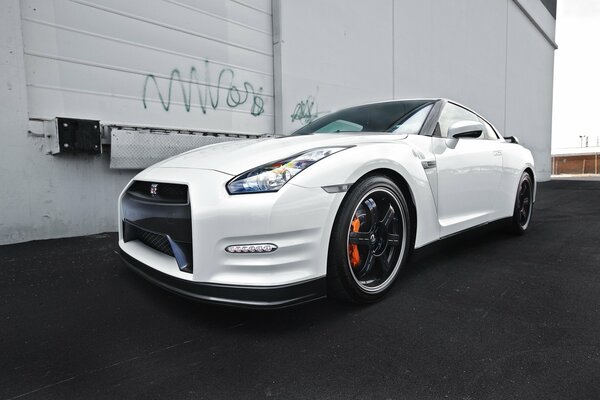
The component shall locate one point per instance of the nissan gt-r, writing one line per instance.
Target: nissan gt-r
(333, 209)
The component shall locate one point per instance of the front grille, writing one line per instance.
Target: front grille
(155, 240)
(172, 193)
(160, 218)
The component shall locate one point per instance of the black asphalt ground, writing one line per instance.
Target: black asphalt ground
(483, 315)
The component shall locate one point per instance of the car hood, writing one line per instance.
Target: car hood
(239, 156)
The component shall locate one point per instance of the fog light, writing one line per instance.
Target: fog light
(252, 248)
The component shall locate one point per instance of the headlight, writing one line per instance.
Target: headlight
(271, 177)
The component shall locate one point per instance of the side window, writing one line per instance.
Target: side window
(490, 132)
(451, 114)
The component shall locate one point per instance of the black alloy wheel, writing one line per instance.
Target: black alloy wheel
(370, 240)
(523, 210)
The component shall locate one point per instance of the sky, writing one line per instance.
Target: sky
(576, 105)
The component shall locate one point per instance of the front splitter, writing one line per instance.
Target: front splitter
(268, 297)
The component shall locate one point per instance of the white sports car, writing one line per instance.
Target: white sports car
(334, 209)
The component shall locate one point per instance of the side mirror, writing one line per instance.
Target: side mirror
(511, 139)
(465, 129)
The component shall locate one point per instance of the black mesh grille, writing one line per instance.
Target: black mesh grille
(155, 240)
(161, 192)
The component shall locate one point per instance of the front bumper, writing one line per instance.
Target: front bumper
(298, 220)
(234, 295)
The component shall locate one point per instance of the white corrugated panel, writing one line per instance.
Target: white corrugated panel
(183, 64)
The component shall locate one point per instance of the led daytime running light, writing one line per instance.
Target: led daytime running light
(252, 248)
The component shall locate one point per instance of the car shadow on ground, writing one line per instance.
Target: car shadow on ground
(478, 239)
(427, 258)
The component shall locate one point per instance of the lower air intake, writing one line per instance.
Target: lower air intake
(156, 241)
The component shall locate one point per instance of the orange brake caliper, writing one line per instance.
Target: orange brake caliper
(353, 249)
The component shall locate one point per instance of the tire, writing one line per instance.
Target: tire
(370, 241)
(523, 208)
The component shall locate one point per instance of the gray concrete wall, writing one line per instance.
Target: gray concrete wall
(188, 64)
(327, 55)
(44, 196)
(486, 54)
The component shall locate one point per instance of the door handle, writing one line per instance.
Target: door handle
(497, 152)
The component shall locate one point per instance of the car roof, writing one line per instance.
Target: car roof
(433, 99)
(399, 100)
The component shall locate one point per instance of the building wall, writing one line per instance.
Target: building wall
(91, 60)
(486, 54)
(297, 59)
(173, 63)
(330, 54)
(529, 83)
(43, 196)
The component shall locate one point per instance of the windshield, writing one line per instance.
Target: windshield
(398, 117)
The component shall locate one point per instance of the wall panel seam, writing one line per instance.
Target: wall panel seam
(196, 9)
(126, 70)
(250, 6)
(169, 26)
(141, 45)
(124, 96)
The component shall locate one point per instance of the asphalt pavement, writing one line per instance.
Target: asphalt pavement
(482, 315)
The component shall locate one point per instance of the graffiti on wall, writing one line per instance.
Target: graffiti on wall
(208, 93)
(305, 111)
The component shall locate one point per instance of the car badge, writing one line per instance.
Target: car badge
(154, 189)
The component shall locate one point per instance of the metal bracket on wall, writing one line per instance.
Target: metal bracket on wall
(78, 135)
(68, 135)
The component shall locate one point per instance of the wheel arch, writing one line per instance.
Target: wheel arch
(407, 191)
(404, 186)
(528, 170)
(394, 160)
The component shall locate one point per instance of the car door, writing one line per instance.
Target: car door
(469, 173)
